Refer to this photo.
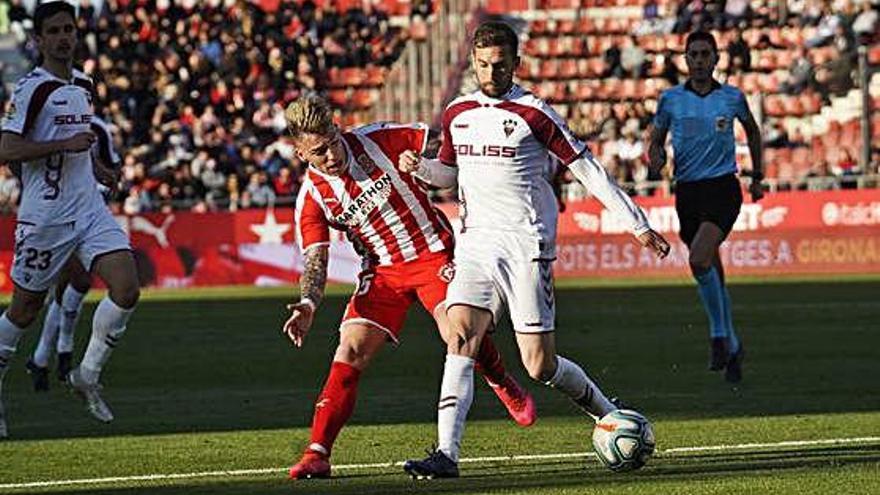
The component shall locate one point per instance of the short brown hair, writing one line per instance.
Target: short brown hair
(495, 33)
(309, 114)
(48, 9)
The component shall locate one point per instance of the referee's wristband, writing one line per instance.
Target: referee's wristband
(308, 302)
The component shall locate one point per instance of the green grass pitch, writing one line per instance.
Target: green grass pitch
(210, 398)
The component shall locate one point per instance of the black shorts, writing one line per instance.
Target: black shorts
(716, 200)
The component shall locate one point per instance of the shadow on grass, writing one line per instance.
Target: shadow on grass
(546, 477)
(647, 345)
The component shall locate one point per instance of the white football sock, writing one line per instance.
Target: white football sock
(9, 336)
(573, 381)
(71, 304)
(48, 336)
(108, 326)
(456, 396)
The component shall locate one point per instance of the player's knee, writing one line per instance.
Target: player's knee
(81, 282)
(353, 354)
(699, 263)
(24, 313)
(539, 368)
(126, 296)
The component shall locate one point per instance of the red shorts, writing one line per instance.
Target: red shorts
(385, 293)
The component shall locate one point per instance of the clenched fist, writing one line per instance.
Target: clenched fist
(409, 161)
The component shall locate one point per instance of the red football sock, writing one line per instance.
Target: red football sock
(335, 404)
(489, 362)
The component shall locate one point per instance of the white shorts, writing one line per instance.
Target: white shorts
(501, 269)
(42, 251)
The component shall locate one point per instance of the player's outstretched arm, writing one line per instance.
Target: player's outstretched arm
(429, 170)
(312, 283)
(595, 178)
(15, 148)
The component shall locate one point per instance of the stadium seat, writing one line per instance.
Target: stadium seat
(585, 25)
(566, 26)
(584, 91)
(548, 69)
(538, 27)
(375, 75)
(568, 68)
(874, 55)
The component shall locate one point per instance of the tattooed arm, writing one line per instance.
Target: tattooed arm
(312, 283)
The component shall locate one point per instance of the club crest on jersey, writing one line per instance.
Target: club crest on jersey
(509, 127)
(366, 164)
(369, 199)
(447, 272)
(721, 124)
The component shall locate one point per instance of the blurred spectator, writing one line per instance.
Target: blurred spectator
(865, 24)
(629, 147)
(826, 28)
(612, 62)
(670, 70)
(632, 59)
(9, 190)
(735, 11)
(285, 184)
(739, 53)
(196, 90)
(260, 192)
(801, 75)
(775, 135)
(19, 20)
(818, 178)
(835, 77)
(846, 165)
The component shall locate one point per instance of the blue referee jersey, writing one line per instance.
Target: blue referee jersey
(702, 129)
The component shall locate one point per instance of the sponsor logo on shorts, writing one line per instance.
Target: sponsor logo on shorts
(721, 124)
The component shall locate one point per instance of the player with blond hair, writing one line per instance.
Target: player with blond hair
(353, 184)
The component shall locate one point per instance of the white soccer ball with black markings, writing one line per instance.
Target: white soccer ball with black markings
(623, 440)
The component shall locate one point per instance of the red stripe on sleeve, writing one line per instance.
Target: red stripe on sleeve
(37, 102)
(447, 150)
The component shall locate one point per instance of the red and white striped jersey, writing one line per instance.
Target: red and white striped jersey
(386, 213)
(504, 149)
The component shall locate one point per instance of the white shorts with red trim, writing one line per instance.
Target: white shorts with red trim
(497, 269)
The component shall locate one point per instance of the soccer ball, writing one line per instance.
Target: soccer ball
(623, 440)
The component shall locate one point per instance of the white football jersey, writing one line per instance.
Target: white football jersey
(505, 150)
(62, 187)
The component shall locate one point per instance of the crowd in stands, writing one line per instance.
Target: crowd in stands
(196, 90)
(605, 74)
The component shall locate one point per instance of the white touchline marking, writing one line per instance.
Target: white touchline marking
(470, 460)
